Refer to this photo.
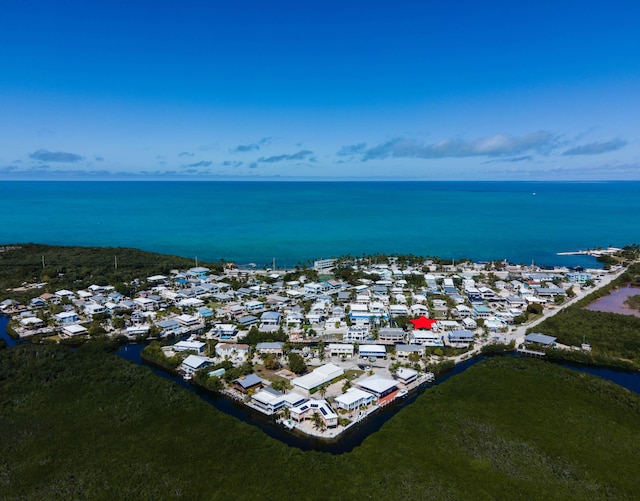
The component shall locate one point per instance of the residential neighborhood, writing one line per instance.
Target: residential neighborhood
(319, 347)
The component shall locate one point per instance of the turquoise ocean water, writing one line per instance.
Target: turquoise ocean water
(298, 221)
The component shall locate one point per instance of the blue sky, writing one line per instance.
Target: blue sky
(429, 90)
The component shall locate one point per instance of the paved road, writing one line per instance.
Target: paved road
(519, 334)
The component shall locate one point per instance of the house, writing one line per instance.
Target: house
(66, 317)
(481, 311)
(248, 382)
(193, 363)
(378, 386)
(392, 335)
(271, 401)
(188, 320)
(461, 337)
(73, 330)
(540, 339)
(196, 346)
(254, 306)
(575, 277)
(224, 331)
(425, 338)
(94, 308)
(312, 407)
(341, 350)
(396, 310)
(145, 304)
(31, 323)
(248, 320)
(405, 350)
(274, 348)
(232, 351)
(406, 376)
(318, 377)
(372, 351)
(469, 323)
(168, 327)
(353, 399)
(356, 333)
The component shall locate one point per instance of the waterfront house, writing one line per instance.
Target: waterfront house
(73, 330)
(271, 401)
(353, 399)
(308, 409)
(31, 323)
(193, 363)
(196, 346)
(540, 339)
(247, 383)
(378, 386)
(406, 376)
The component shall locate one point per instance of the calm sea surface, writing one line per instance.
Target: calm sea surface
(298, 221)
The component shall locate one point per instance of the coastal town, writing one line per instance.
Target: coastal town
(317, 348)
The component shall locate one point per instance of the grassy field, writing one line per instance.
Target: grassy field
(89, 425)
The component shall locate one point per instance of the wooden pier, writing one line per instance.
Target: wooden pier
(531, 353)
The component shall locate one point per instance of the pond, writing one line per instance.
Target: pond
(614, 302)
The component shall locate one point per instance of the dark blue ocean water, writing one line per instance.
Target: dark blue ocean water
(298, 221)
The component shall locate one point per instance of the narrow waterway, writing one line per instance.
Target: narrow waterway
(4, 322)
(355, 435)
(351, 438)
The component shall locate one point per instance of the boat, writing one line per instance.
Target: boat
(402, 393)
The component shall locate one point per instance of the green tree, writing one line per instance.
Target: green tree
(296, 364)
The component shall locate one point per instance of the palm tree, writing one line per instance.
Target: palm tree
(317, 421)
(322, 390)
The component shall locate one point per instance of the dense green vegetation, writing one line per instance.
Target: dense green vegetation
(614, 338)
(91, 425)
(79, 267)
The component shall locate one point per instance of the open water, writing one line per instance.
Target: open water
(294, 222)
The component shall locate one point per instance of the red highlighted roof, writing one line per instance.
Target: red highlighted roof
(423, 323)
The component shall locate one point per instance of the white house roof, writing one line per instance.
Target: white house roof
(194, 361)
(319, 376)
(377, 384)
(372, 348)
(352, 396)
(405, 373)
(75, 329)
